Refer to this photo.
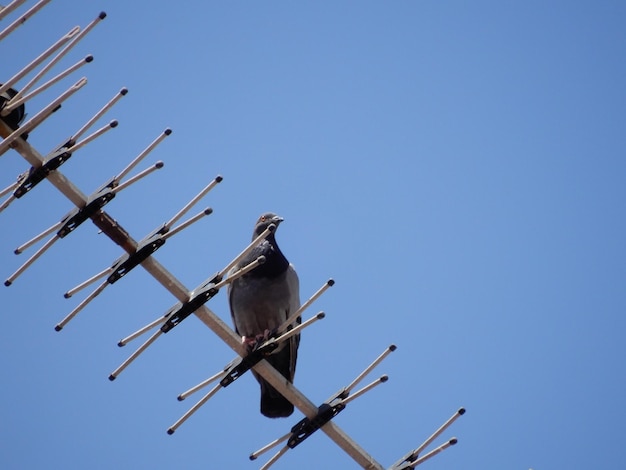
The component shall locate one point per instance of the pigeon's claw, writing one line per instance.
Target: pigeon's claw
(254, 342)
(249, 342)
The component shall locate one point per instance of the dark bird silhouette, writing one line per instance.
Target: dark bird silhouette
(260, 301)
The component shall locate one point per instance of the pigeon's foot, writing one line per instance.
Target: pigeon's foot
(249, 342)
(267, 334)
(253, 342)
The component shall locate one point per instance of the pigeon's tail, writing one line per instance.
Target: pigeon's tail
(273, 404)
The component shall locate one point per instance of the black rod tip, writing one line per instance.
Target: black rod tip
(461, 411)
(219, 178)
(167, 131)
(89, 58)
(7, 283)
(170, 431)
(112, 377)
(393, 347)
(102, 15)
(58, 328)
(331, 282)
(123, 91)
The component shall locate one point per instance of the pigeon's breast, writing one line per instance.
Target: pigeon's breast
(260, 303)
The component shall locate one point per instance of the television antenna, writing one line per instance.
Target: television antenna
(15, 129)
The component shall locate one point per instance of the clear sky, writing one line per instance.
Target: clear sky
(457, 167)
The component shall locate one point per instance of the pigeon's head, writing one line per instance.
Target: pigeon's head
(265, 221)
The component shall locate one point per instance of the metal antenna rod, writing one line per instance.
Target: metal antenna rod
(143, 154)
(30, 261)
(35, 239)
(367, 388)
(8, 200)
(273, 460)
(270, 229)
(433, 452)
(4, 11)
(193, 409)
(377, 361)
(200, 386)
(41, 116)
(22, 19)
(190, 204)
(134, 355)
(138, 333)
(412, 459)
(304, 306)
(8, 189)
(296, 329)
(43, 56)
(240, 272)
(99, 114)
(90, 138)
(59, 326)
(441, 429)
(18, 101)
(187, 223)
(88, 282)
(60, 55)
(157, 166)
(271, 445)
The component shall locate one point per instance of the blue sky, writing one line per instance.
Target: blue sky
(454, 166)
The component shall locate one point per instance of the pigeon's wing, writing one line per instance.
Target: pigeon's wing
(273, 404)
(293, 287)
(232, 291)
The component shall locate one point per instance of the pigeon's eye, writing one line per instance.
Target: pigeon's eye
(262, 219)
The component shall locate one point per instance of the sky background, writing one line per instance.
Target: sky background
(457, 167)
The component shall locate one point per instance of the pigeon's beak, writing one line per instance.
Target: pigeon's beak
(277, 219)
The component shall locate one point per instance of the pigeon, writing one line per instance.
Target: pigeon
(260, 301)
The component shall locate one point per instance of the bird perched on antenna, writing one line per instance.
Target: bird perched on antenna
(260, 301)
